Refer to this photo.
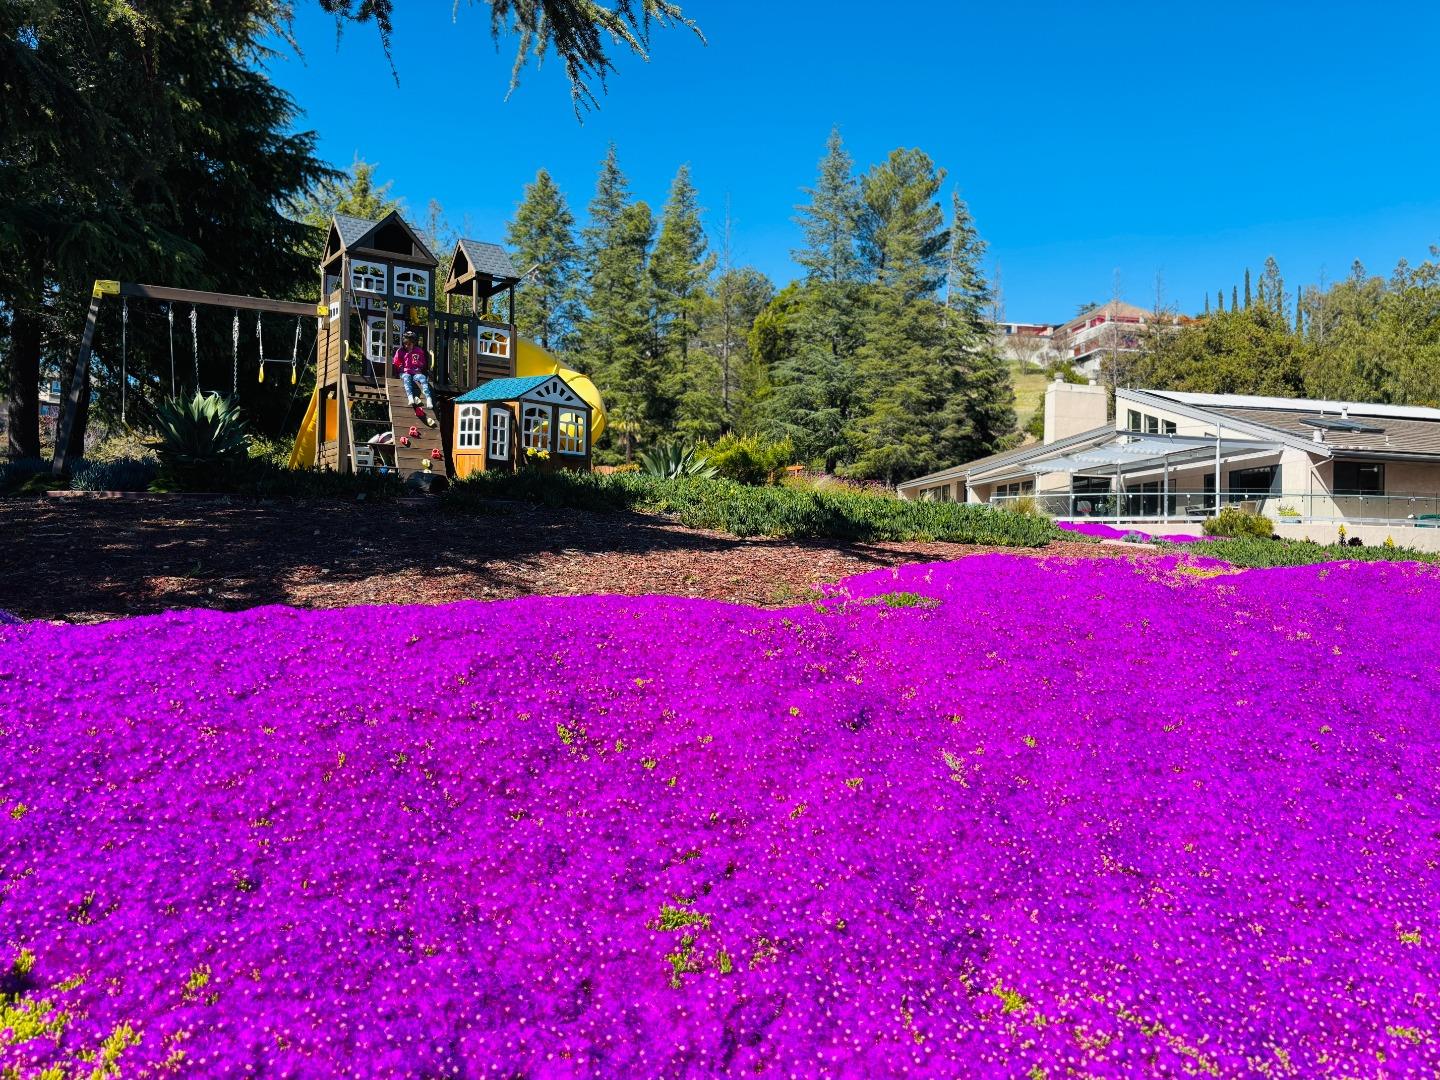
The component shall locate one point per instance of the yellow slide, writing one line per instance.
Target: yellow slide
(530, 359)
(302, 454)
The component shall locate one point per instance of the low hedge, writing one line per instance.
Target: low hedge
(743, 510)
(1233, 522)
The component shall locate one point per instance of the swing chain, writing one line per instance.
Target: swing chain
(195, 344)
(260, 345)
(295, 351)
(124, 346)
(235, 355)
(170, 318)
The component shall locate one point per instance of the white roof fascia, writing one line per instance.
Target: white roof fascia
(1249, 401)
(1158, 400)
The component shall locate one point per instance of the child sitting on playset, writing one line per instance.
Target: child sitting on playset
(410, 362)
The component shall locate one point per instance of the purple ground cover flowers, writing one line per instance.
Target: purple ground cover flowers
(1101, 531)
(1004, 816)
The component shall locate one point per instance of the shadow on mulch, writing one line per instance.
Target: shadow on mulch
(89, 561)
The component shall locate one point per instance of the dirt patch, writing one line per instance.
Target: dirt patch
(91, 560)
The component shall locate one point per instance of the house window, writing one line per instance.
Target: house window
(1090, 495)
(468, 420)
(535, 427)
(412, 284)
(1016, 489)
(1167, 427)
(369, 277)
(1152, 425)
(1359, 478)
(492, 341)
(1252, 481)
(1133, 420)
(499, 433)
(572, 431)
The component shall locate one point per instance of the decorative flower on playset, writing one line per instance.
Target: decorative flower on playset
(1000, 817)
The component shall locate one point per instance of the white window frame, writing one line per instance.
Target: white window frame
(570, 432)
(533, 419)
(368, 276)
(498, 447)
(469, 427)
(492, 341)
(412, 284)
(375, 348)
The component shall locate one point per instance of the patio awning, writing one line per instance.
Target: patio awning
(1128, 450)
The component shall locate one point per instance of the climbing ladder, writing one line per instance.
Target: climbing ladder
(418, 461)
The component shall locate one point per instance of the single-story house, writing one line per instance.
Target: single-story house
(1171, 458)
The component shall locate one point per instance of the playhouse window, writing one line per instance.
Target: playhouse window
(369, 277)
(469, 433)
(535, 427)
(499, 433)
(375, 347)
(572, 432)
(412, 284)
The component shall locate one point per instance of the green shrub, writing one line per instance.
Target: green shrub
(743, 510)
(1233, 522)
(115, 475)
(16, 473)
(749, 460)
(670, 460)
(1254, 552)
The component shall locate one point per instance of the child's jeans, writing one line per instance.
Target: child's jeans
(411, 382)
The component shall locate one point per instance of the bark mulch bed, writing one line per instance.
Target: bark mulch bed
(91, 560)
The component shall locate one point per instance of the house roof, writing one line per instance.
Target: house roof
(352, 229)
(1399, 436)
(489, 259)
(1009, 457)
(502, 389)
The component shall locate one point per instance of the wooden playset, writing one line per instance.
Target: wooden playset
(499, 402)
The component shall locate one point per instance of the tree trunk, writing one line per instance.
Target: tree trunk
(23, 375)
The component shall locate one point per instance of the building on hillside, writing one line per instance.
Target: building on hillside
(1110, 329)
(1173, 458)
(1028, 344)
(49, 411)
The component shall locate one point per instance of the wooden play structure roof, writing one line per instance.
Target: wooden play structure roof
(390, 237)
(488, 265)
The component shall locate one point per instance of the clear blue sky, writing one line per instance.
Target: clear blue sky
(1192, 140)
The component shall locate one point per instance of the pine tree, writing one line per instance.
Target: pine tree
(815, 391)
(1234, 298)
(620, 343)
(1220, 301)
(1300, 311)
(679, 269)
(547, 304)
(1247, 288)
(1207, 303)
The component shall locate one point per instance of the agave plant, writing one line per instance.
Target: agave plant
(200, 435)
(672, 460)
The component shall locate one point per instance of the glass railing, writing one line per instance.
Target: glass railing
(1420, 510)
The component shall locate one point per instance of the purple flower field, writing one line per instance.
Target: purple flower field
(1101, 531)
(1005, 816)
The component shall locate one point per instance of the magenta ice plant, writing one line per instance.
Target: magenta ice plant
(1100, 818)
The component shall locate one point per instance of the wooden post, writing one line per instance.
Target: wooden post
(80, 381)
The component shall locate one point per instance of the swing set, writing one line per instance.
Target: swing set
(170, 297)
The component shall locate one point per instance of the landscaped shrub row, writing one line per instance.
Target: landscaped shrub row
(742, 510)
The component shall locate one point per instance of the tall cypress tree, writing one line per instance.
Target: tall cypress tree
(1272, 287)
(547, 305)
(1247, 288)
(1220, 301)
(1207, 303)
(1234, 298)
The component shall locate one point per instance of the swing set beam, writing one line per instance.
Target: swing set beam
(79, 386)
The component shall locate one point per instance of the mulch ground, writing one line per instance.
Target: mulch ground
(81, 560)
